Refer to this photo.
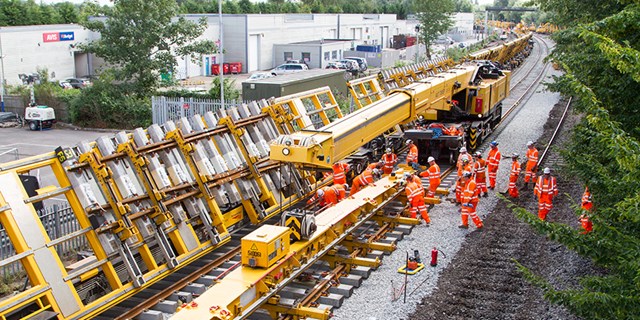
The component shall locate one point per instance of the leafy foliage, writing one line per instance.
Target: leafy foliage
(599, 52)
(140, 39)
(435, 19)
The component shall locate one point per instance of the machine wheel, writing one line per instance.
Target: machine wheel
(33, 125)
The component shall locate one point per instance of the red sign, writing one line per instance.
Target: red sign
(185, 106)
(51, 36)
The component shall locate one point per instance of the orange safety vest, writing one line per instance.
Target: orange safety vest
(532, 157)
(413, 190)
(586, 200)
(494, 158)
(433, 173)
(389, 160)
(515, 168)
(470, 195)
(546, 187)
(459, 163)
(339, 173)
(479, 168)
(412, 156)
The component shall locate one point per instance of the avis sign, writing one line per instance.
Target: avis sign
(58, 36)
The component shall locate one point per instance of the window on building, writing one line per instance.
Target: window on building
(334, 54)
(306, 57)
(288, 56)
(327, 56)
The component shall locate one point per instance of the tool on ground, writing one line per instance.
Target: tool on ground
(413, 264)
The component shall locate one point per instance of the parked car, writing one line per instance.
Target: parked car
(289, 68)
(335, 65)
(462, 45)
(78, 83)
(362, 62)
(260, 76)
(351, 65)
(65, 85)
(443, 40)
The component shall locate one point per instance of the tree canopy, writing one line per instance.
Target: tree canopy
(140, 39)
(599, 52)
(435, 17)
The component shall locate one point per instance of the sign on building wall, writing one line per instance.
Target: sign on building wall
(58, 36)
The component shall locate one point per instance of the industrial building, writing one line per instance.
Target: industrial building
(258, 41)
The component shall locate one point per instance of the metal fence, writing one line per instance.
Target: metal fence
(58, 221)
(172, 108)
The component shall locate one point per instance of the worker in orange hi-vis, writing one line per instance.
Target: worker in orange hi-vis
(546, 188)
(412, 155)
(469, 202)
(390, 160)
(514, 175)
(587, 206)
(364, 179)
(493, 162)
(415, 197)
(340, 172)
(459, 183)
(461, 156)
(532, 164)
(329, 195)
(433, 173)
(480, 173)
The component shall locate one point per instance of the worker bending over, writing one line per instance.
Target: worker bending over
(469, 202)
(367, 177)
(389, 159)
(545, 190)
(415, 197)
(433, 173)
(412, 155)
(329, 195)
(513, 176)
(532, 164)
(493, 162)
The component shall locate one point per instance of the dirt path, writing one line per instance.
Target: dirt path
(482, 281)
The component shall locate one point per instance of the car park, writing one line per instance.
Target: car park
(77, 83)
(260, 76)
(362, 62)
(289, 68)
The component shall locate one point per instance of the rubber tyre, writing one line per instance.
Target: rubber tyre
(33, 126)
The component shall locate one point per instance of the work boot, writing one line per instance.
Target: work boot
(486, 194)
(462, 226)
(491, 187)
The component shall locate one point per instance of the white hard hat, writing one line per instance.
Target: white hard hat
(515, 155)
(320, 193)
(463, 149)
(409, 141)
(530, 143)
(466, 174)
(388, 150)
(547, 170)
(407, 175)
(431, 159)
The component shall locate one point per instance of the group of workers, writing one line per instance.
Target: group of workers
(472, 171)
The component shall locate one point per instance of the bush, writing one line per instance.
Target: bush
(107, 105)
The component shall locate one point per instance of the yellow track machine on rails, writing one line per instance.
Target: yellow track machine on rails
(149, 202)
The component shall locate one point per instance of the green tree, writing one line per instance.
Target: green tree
(435, 19)
(463, 6)
(600, 53)
(68, 12)
(140, 39)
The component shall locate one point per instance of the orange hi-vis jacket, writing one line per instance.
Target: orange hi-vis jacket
(546, 188)
(433, 173)
(362, 180)
(413, 190)
(532, 157)
(494, 160)
(480, 169)
(515, 170)
(340, 173)
(586, 200)
(332, 195)
(470, 194)
(412, 156)
(390, 160)
(459, 163)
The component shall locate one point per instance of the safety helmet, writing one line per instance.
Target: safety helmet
(466, 174)
(494, 143)
(376, 173)
(388, 150)
(431, 159)
(515, 155)
(465, 160)
(408, 142)
(346, 186)
(478, 154)
(529, 144)
(463, 149)
(320, 193)
(547, 170)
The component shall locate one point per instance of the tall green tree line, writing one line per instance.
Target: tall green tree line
(599, 50)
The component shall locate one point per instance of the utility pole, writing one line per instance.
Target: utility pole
(1, 76)
(221, 62)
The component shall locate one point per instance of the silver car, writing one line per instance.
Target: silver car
(289, 68)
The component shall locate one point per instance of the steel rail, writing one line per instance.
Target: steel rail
(555, 132)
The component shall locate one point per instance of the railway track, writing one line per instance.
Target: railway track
(325, 286)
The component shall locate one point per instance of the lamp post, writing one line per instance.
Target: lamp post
(221, 62)
(417, 42)
(1, 76)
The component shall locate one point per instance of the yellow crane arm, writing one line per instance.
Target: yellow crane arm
(331, 143)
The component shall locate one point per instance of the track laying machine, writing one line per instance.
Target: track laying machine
(151, 201)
